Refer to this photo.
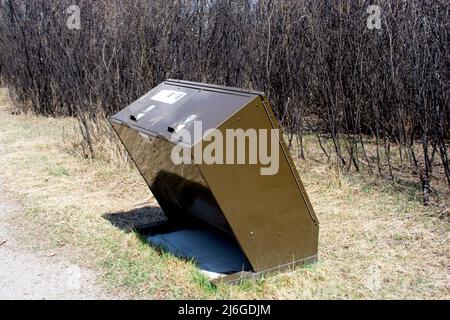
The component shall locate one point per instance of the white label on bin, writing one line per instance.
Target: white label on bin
(150, 108)
(139, 116)
(169, 96)
(191, 118)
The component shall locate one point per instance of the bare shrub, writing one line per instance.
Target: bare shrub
(323, 69)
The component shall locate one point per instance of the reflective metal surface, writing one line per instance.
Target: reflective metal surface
(271, 217)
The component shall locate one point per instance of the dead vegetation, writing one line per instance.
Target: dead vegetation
(325, 71)
(376, 241)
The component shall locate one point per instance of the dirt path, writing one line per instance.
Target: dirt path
(38, 275)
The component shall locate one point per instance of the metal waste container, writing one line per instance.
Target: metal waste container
(264, 210)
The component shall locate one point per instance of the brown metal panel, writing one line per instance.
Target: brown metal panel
(179, 189)
(145, 112)
(269, 215)
(213, 87)
(285, 150)
(210, 106)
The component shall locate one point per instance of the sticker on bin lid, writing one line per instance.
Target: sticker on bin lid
(169, 96)
(150, 108)
(139, 116)
(191, 118)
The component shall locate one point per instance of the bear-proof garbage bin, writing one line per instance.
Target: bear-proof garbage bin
(214, 159)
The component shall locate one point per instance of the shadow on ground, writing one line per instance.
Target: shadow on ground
(139, 219)
(210, 250)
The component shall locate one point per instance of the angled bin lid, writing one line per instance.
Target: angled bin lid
(171, 107)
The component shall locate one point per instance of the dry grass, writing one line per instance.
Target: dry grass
(376, 240)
